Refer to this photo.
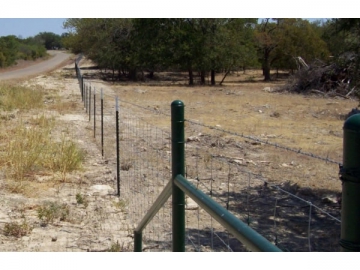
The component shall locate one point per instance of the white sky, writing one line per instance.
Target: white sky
(184, 8)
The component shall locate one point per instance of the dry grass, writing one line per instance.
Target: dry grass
(15, 97)
(295, 120)
(16, 229)
(30, 148)
(307, 123)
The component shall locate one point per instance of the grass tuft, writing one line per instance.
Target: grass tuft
(17, 229)
(50, 211)
(31, 150)
(18, 97)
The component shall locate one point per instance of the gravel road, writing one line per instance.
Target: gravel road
(58, 58)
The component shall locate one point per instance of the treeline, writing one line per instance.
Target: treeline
(129, 47)
(13, 48)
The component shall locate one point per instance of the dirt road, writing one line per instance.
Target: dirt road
(58, 58)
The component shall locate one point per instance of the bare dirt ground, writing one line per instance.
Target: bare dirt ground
(310, 123)
(95, 224)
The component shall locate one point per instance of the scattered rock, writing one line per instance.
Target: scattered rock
(101, 190)
(330, 199)
(193, 139)
(292, 163)
(251, 162)
(191, 204)
(239, 162)
(267, 89)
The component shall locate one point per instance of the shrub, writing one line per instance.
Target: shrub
(17, 230)
(50, 211)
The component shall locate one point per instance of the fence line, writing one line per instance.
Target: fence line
(131, 127)
(253, 138)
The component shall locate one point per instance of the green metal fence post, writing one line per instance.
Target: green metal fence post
(137, 241)
(178, 167)
(350, 176)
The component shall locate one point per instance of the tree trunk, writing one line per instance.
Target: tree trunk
(212, 77)
(266, 67)
(267, 74)
(191, 77)
(151, 75)
(223, 79)
(202, 77)
(132, 74)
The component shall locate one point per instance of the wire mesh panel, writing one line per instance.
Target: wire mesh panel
(276, 194)
(276, 190)
(145, 171)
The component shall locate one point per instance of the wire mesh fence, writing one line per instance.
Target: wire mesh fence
(272, 191)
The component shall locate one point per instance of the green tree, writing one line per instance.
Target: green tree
(281, 41)
(9, 48)
(343, 38)
(193, 45)
(105, 41)
(49, 40)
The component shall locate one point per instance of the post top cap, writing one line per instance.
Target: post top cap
(353, 123)
(177, 103)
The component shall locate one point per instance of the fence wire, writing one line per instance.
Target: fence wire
(272, 191)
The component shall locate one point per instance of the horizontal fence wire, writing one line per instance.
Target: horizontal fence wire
(272, 203)
(267, 142)
(262, 190)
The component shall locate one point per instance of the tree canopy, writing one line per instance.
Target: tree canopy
(14, 48)
(206, 46)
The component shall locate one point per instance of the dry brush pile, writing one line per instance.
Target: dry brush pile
(338, 79)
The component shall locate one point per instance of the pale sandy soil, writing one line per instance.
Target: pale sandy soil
(94, 227)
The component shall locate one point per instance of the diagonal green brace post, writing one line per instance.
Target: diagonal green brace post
(178, 167)
(350, 177)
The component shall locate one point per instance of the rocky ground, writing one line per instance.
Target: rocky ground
(85, 214)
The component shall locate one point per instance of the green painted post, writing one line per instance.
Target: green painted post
(178, 167)
(350, 176)
(137, 241)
